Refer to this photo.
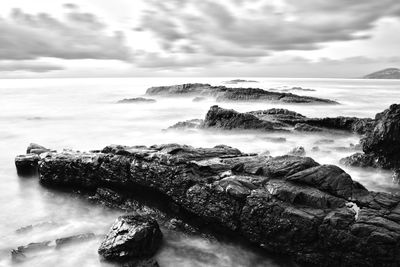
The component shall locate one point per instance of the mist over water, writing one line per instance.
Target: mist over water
(82, 114)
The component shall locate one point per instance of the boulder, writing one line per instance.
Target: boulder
(130, 237)
(36, 149)
(297, 151)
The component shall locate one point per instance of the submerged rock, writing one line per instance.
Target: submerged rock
(131, 236)
(297, 151)
(61, 242)
(136, 100)
(198, 99)
(189, 124)
(222, 93)
(288, 205)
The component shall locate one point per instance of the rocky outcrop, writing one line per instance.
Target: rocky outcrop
(27, 164)
(289, 205)
(137, 100)
(381, 144)
(222, 93)
(130, 237)
(389, 73)
(236, 81)
(274, 120)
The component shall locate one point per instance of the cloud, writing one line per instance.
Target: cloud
(242, 30)
(39, 67)
(78, 35)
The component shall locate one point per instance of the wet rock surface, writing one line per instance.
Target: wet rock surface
(131, 237)
(222, 93)
(274, 120)
(381, 144)
(289, 205)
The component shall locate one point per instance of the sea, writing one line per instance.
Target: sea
(82, 114)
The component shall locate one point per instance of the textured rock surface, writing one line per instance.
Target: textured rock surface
(275, 119)
(289, 204)
(131, 236)
(222, 93)
(381, 144)
(27, 164)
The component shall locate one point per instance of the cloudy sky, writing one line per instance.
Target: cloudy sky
(237, 38)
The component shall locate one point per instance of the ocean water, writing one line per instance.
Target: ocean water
(82, 114)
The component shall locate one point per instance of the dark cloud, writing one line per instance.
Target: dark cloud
(244, 29)
(78, 35)
(28, 66)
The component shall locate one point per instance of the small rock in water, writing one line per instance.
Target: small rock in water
(73, 239)
(198, 99)
(275, 139)
(315, 149)
(136, 100)
(18, 254)
(297, 151)
(324, 141)
(131, 236)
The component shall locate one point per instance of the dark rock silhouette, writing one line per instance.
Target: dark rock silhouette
(137, 100)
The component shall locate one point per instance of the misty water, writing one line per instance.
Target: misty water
(82, 114)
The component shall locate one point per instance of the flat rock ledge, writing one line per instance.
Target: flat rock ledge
(227, 94)
(288, 205)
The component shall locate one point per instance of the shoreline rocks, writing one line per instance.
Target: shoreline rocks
(381, 144)
(222, 93)
(138, 100)
(274, 120)
(289, 205)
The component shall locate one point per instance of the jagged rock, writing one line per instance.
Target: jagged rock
(381, 144)
(297, 151)
(275, 119)
(131, 236)
(189, 124)
(289, 204)
(27, 164)
(136, 100)
(222, 93)
(19, 254)
(229, 119)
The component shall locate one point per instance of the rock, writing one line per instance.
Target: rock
(297, 151)
(27, 164)
(61, 242)
(131, 236)
(222, 93)
(198, 99)
(19, 254)
(288, 205)
(275, 119)
(36, 149)
(381, 144)
(31, 227)
(315, 149)
(229, 119)
(137, 100)
(189, 124)
(236, 81)
(302, 127)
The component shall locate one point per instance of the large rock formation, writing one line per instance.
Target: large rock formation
(289, 205)
(381, 145)
(222, 93)
(130, 237)
(274, 119)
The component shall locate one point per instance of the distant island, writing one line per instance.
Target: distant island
(390, 73)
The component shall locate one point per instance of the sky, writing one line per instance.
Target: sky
(185, 38)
